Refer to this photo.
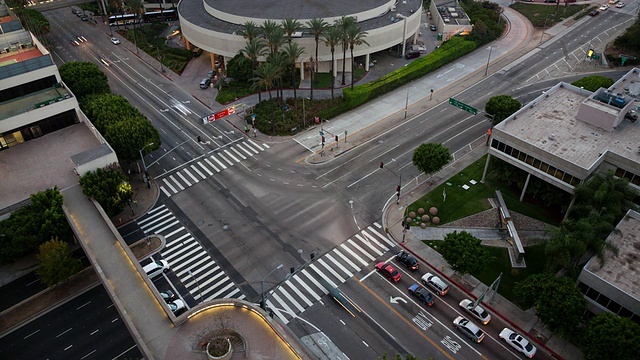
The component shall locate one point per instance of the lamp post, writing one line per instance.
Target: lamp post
(486, 69)
(197, 283)
(406, 105)
(159, 57)
(262, 298)
(544, 28)
(144, 166)
(304, 112)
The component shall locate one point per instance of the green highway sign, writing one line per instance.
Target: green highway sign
(463, 106)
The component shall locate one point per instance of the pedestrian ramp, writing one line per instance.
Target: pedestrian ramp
(307, 286)
(190, 262)
(208, 166)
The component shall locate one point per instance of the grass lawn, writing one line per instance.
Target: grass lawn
(538, 13)
(534, 257)
(461, 203)
(322, 81)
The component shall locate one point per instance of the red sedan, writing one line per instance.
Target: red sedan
(388, 271)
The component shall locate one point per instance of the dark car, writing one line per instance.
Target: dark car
(594, 13)
(433, 28)
(412, 54)
(205, 83)
(423, 295)
(408, 260)
(388, 271)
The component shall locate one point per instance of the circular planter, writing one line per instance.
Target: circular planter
(226, 356)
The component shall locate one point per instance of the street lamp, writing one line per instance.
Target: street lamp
(144, 166)
(544, 28)
(486, 69)
(159, 58)
(262, 298)
(197, 283)
(304, 113)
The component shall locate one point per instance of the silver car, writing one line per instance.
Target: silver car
(477, 312)
(518, 342)
(469, 329)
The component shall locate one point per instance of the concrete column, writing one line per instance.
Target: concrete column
(212, 58)
(335, 67)
(524, 188)
(486, 166)
(301, 70)
(367, 60)
(187, 43)
(404, 37)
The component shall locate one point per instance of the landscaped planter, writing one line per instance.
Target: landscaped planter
(225, 356)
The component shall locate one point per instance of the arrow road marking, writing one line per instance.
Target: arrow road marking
(394, 300)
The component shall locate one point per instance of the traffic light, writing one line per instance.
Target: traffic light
(336, 138)
(381, 165)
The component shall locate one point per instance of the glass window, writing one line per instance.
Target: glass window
(515, 153)
(522, 156)
(614, 307)
(635, 318)
(603, 300)
(592, 294)
(583, 287)
(636, 180)
(529, 160)
(620, 172)
(544, 167)
(551, 170)
(508, 150)
(624, 312)
(574, 181)
(495, 143)
(628, 175)
(559, 174)
(536, 163)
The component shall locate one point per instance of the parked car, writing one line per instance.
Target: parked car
(115, 41)
(408, 260)
(594, 13)
(412, 54)
(469, 329)
(435, 283)
(423, 295)
(388, 271)
(477, 312)
(84, 18)
(205, 83)
(176, 306)
(603, 7)
(168, 296)
(211, 74)
(518, 342)
(620, 4)
(433, 28)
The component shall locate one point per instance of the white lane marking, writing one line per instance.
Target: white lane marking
(205, 168)
(176, 181)
(223, 166)
(250, 147)
(241, 146)
(277, 312)
(165, 191)
(299, 293)
(322, 275)
(225, 158)
(64, 332)
(361, 250)
(291, 299)
(315, 282)
(239, 154)
(170, 186)
(184, 178)
(256, 145)
(344, 269)
(306, 287)
(375, 250)
(198, 171)
(210, 164)
(229, 154)
(364, 263)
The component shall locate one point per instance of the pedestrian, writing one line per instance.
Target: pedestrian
(255, 132)
(246, 129)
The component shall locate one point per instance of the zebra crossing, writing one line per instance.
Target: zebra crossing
(209, 166)
(189, 261)
(301, 290)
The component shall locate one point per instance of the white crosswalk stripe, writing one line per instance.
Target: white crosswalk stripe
(333, 268)
(188, 260)
(215, 163)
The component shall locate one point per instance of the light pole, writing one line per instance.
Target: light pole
(159, 58)
(144, 166)
(406, 105)
(544, 28)
(486, 69)
(304, 113)
(197, 283)
(262, 298)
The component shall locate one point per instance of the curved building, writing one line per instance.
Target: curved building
(212, 24)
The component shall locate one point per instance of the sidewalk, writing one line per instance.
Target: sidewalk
(520, 320)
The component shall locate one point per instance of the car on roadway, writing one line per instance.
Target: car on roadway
(477, 312)
(613, 2)
(469, 329)
(388, 271)
(594, 13)
(407, 260)
(423, 295)
(176, 306)
(115, 41)
(412, 54)
(81, 38)
(433, 28)
(75, 42)
(603, 7)
(435, 283)
(620, 4)
(518, 342)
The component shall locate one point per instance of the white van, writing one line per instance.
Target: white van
(156, 268)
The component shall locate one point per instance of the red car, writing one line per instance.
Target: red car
(388, 271)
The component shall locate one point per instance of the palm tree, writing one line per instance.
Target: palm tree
(293, 52)
(265, 75)
(280, 61)
(343, 24)
(290, 26)
(355, 37)
(249, 30)
(332, 39)
(316, 27)
(254, 49)
(273, 34)
(136, 8)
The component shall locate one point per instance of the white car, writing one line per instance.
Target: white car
(518, 342)
(477, 312)
(620, 4)
(604, 7)
(435, 283)
(115, 41)
(176, 306)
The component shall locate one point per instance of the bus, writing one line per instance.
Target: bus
(125, 19)
(158, 16)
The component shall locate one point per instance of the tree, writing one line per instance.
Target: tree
(273, 34)
(332, 39)
(265, 76)
(249, 31)
(593, 83)
(609, 336)
(343, 25)
(131, 134)
(254, 49)
(355, 37)
(290, 26)
(316, 27)
(108, 187)
(293, 52)
(501, 107)
(84, 79)
(558, 303)
(56, 262)
(431, 157)
(105, 110)
(465, 253)
(240, 67)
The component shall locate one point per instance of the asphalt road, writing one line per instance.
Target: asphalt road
(86, 327)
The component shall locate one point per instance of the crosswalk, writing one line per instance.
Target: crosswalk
(209, 166)
(300, 291)
(189, 261)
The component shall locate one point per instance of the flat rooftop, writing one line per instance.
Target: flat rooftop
(43, 163)
(551, 126)
(623, 270)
